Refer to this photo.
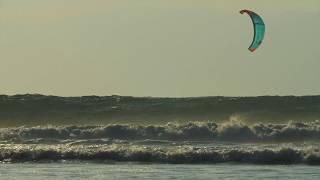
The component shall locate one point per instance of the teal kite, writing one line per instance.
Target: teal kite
(259, 29)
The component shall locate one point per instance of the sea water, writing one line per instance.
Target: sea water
(195, 150)
(79, 145)
(90, 170)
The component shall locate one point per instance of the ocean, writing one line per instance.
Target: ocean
(87, 170)
(115, 137)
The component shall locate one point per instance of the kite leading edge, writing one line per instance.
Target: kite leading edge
(259, 29)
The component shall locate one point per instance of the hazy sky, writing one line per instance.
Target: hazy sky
(158, 47)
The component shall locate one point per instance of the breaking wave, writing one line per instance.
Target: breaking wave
(234, 131)
(194, 142)
(156, 130)
(178, 154)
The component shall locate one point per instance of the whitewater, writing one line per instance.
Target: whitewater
(172, 143)
(68, 135)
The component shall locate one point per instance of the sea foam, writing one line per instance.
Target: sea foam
(233, 131)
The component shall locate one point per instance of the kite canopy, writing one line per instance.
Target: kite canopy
(259, 29)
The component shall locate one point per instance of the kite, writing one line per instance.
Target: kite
(259, 29)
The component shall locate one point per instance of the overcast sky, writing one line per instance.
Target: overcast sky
(158, 47)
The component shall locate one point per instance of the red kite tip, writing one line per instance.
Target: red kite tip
(252, 49)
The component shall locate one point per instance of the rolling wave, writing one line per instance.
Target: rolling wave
(177, 155)
(262, 130)
(233, 131)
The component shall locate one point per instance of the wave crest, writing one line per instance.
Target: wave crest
(178, 154)
(233, 130)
